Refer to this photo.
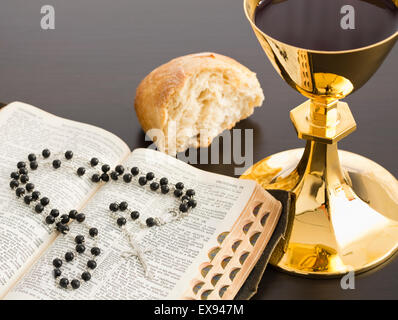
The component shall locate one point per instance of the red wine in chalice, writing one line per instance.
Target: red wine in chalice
(327, 25)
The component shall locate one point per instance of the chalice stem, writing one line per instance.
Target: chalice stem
(322, 161)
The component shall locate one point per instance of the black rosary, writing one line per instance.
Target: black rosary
(25, 189)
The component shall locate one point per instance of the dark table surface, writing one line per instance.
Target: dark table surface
(87, 70)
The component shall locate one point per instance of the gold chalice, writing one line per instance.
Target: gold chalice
(346, 208)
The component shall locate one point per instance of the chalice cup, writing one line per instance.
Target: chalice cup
(346, 206)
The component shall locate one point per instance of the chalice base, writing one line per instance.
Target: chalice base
(339, 224)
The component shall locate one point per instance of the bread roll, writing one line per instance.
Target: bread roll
(192, 99)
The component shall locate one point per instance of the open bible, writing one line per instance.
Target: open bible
(206, 255)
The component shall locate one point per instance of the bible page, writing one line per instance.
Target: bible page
(25, 129)
(173, 252)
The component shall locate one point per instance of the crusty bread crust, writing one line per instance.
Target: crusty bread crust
(158, 91)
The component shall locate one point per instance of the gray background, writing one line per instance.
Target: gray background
(87, 69)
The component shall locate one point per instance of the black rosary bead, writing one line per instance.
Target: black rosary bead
(192, 203)
(54, 213)
(119, 169)
(91, 264)
(93, 232)
(114, 207)
(39, 208)
(80, 248)
(21, 164)
(142, 181)
(123, 206)
(86, 276)
(23, 171)
(127, 177)
(80, 217)
(56, 164)
(163, 181)
(150, 176)
(46, 153)
(179, 185)
(177, 193)
(14, 184)
(105, 177)
(95, 177)
(135, 171)
(57, 263)
(64, 283)
(68, 155)
(69, 256)
(27, 199)
(105, 168)
(20, 192)
(72, 214)
(95, 251)
(50, 219)
(75, 284)
(81, 171)
(24, 178)
(33, 165)
(164, 188)
(35, 195)
(94, 162)
(79, 239)
(121, 221)
(190, 192)
(154, 186)
(134, 215)
(114, 175)
(183, 207)
(57, 273)
(29, 187)
(185, 198)
(15, 175)
(32, 157)
(63, 228)
(150, 222)
(44, 201)
(65, 219)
